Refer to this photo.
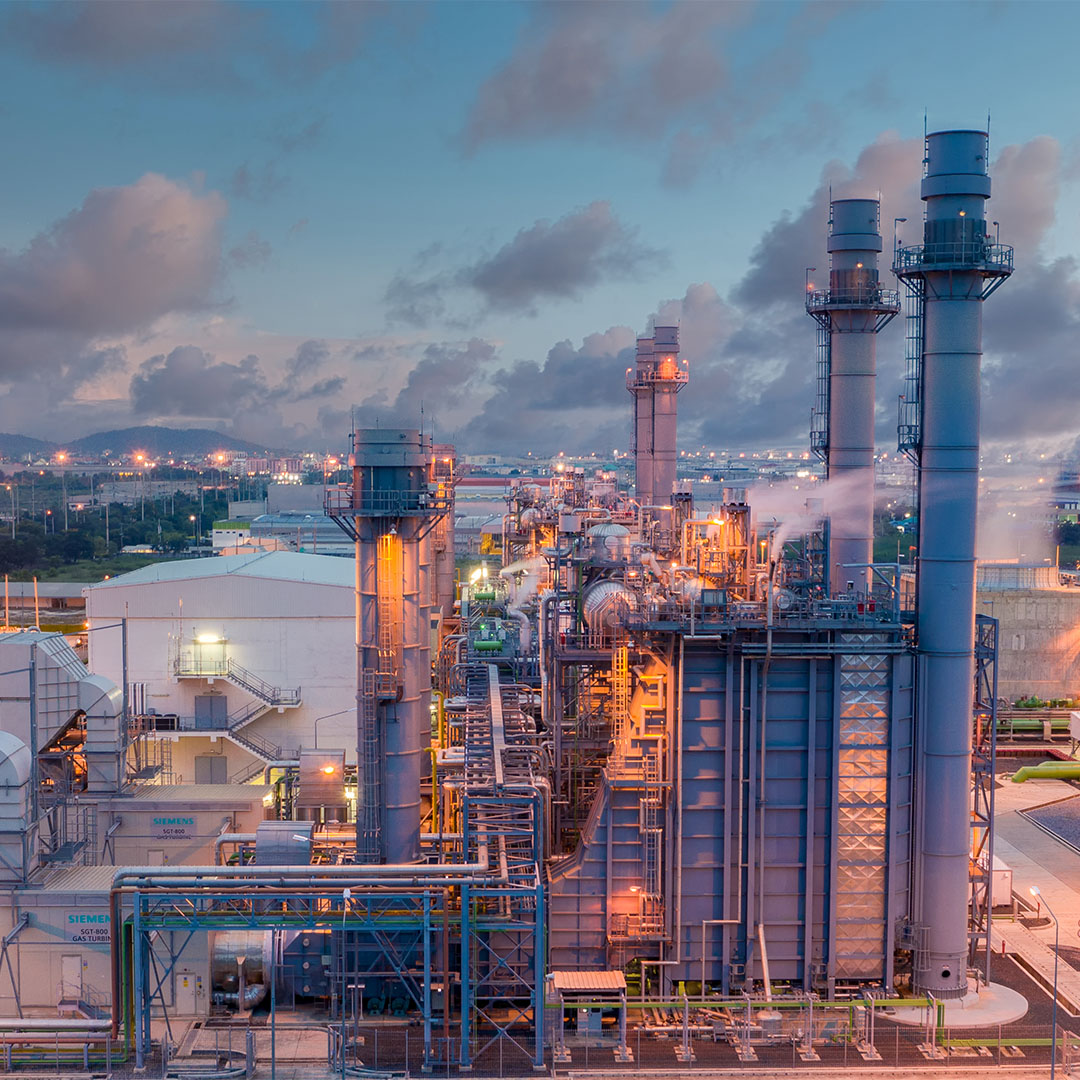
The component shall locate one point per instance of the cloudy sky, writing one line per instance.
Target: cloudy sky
(267, 218)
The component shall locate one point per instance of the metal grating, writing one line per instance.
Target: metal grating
(862, 812)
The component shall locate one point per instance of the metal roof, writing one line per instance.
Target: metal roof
(588, 982)
(273, 565)
(79, 879)
(200, 793)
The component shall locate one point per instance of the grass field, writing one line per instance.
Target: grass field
(89, 570)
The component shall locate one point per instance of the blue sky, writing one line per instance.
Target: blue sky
(260, 217)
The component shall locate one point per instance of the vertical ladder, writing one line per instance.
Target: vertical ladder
(388, 635)
(370, 783)
(620, 703)
(651, 832)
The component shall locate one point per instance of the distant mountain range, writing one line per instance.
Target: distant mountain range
(157, 442)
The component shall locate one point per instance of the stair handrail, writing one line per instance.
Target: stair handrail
(258, 744)
(275, 695)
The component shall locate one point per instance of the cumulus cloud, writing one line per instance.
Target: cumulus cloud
(687, 77)
(574, 400)
(622, 67)
(127, 256)
(188, 382)
(441, 388)
(559, 260)
(549, 260)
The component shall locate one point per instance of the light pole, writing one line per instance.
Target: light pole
(62, 458)
(1053, 1021)
(11, 492)
(328, 716)
(194, 540)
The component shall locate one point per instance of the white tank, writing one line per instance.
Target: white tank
(609, 541)
(605, 602)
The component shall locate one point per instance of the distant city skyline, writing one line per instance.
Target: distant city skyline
(269, 218)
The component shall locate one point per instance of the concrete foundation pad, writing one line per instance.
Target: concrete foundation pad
(989, 1006)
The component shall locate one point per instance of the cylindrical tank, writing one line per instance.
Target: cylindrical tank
(953, 268)
(609, 541)
(604, 603)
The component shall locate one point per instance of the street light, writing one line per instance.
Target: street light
(194, 539)
(328, 716)
(1053, 1021)
(896, 223)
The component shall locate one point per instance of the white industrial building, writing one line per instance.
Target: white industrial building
(237, 661)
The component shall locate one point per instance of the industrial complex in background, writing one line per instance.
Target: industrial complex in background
(502, 766)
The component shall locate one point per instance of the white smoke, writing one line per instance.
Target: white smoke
(796, 507)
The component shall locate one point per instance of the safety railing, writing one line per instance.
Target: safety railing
(977, 254)
(191, 664)
(672, 374)
(343, 502)
(870, 297)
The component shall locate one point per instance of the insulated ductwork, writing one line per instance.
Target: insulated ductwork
(849, 315)
(948, 276)
(605, 604)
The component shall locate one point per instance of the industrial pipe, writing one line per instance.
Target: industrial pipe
(1048, 770)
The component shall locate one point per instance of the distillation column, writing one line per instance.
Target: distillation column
(388, 509)
(955, 268)
(655, 384)
(850, 314)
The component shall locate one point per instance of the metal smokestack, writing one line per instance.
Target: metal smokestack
(655, 382)
(849, 316)
(640, 385)
(389, 510)
(948, 276)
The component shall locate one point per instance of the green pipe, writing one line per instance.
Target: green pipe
(1048, 770)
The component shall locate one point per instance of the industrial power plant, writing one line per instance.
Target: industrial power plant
(656, 776)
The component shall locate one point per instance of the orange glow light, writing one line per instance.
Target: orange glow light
(328, 769)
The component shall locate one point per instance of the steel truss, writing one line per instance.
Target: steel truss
(488, 926)
(983, 760)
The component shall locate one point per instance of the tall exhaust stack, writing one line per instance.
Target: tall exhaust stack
(947, 277)
(390, 507)
(849, 315)
(655, 382)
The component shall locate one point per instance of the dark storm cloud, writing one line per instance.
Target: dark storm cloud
(569, 402)
(550, 260)
(559, 260)
(190, 382)
(441, 387)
